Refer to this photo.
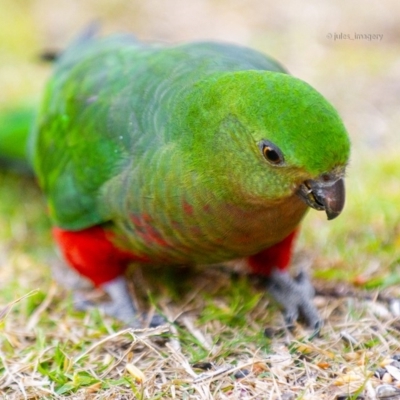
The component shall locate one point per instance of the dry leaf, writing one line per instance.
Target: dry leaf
(136, 373)
(387, 378)
(395, 372)
(323, 365)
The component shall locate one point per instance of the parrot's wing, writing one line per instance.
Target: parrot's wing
(77, 143)
(97, 117)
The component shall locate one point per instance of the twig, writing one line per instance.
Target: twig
(133, 332)
(33, 320)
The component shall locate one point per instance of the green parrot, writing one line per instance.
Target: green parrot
(199, 153)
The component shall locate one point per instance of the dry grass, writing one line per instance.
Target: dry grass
(216, 348)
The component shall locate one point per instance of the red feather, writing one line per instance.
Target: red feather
(276, 256)
(93, 254)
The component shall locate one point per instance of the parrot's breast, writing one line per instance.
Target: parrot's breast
(208, 233)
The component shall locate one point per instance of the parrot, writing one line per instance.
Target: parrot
(198, 153)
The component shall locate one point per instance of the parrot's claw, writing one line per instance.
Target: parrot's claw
(120, 305)
(295, 295)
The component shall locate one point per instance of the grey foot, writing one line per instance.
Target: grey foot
(120, 305)
(295, 295)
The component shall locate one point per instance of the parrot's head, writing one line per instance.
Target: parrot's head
(271, 136)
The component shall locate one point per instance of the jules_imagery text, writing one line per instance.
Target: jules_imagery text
(355, 36)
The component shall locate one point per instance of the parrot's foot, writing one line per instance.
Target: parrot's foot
(295, 295)
(120, 305)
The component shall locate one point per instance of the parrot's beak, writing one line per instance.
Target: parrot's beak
(324, 194)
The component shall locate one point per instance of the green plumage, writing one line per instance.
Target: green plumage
(163, 145)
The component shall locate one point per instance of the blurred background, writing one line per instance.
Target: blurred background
(349, 51)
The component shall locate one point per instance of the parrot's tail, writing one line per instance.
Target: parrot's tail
(15, 126)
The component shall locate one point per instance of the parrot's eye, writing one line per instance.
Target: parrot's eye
(271, 152)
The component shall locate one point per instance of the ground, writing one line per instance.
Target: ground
(227, 342)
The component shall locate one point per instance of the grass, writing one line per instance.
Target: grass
(227, 341)
(49, 350)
